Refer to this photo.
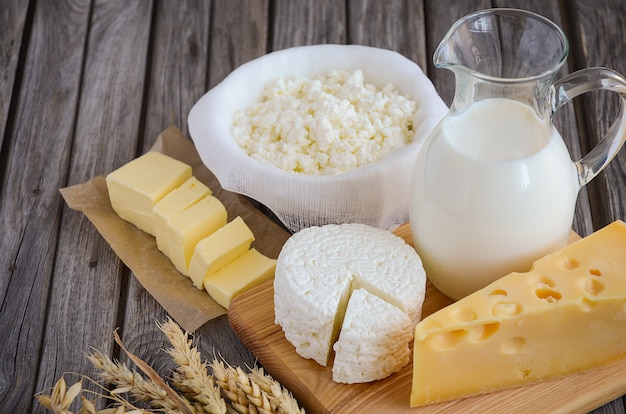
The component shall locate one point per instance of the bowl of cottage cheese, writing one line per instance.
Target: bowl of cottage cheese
(323, 134)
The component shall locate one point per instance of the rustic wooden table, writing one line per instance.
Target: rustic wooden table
(87, 85)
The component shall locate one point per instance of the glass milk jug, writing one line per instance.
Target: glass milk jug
(494, 187)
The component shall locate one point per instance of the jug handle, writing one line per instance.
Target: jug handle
(586, 80)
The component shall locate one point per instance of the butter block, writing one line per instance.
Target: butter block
(566, 315)
(246, 271)
(177, 201)
(187, 228)
(215, 251)
(136, 187)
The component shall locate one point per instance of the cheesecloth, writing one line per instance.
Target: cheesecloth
(377, 194)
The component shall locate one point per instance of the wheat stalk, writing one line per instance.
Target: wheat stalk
(129, 381)
(253, 392)
(191, 375)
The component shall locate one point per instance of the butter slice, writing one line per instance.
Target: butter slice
(215, 251)
(187, 228)
(566, 315)
(137, 186)
(177, 201)
(246, 271)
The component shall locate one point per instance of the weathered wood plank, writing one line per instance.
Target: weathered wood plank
(12, 20)
(38, 152)
(597, 40)
(178, 65)
(230, 48)
(308, 22)
(397, 25)
(88, 277)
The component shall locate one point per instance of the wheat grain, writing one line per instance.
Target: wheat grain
(132, 382)
(253, 392)
(191, 376)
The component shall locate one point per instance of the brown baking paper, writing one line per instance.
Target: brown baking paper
(187, 305)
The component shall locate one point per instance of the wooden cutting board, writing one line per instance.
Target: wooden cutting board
(252, 318)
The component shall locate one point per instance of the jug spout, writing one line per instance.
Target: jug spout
(503, 44)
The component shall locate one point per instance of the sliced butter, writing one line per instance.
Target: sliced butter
(246, 271)
(566, 315)
(174, 203)
(215, 251)
(187, 228)
(136, 187)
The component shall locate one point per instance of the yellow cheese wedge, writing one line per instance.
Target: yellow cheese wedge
(566, 315)
(187, 228)
(215, 251)
(177, 201)
(246, 271)
(137, 186)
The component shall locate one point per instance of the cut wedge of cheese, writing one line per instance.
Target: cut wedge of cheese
(317, 270)
(246, 271)
(567, 314)
(137, 186)
(217, 250)
(174, 203)
(387, 332)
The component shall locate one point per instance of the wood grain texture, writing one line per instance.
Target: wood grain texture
(86, 267)
(12, 21)
(38, 151)
(397, 25)
(307, 22)
(596, 111)
(229, 48)
(252, 317)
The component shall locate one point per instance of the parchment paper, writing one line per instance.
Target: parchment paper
(187, 305)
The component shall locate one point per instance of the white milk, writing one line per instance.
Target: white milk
(496, 191)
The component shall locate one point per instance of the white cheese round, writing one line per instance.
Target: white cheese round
(318, 269)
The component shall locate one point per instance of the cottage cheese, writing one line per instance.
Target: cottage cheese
(324, 126)
(316, 273)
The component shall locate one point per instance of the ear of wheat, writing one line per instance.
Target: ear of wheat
(228, 390)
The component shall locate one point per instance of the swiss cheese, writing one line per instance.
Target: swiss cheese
(137, 186)
(217, 250)
(567, 314)
(246, 271)
(316, 272)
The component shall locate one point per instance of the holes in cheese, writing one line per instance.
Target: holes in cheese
(547, 294)
(317, 272)
(558, 305)
(506, 309)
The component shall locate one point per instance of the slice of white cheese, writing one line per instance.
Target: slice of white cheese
(372, 347)
(318, 268)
